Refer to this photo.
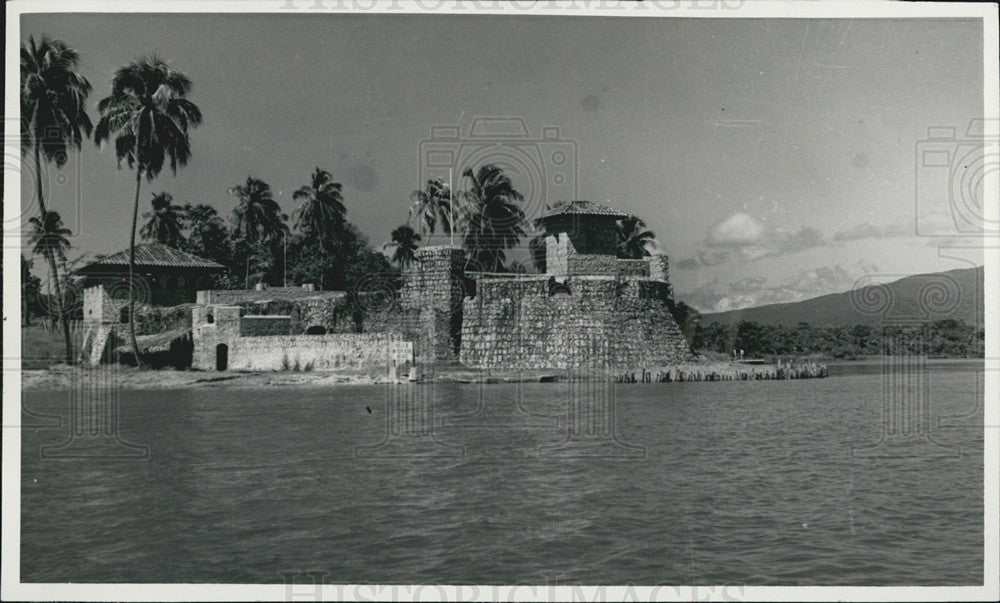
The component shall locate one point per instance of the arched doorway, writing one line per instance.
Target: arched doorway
(316, 330)
(221, 357)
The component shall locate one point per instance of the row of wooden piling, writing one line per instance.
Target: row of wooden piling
(725, 372)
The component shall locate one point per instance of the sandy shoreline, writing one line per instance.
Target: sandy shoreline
(63, 377)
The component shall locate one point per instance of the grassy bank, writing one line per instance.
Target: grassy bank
(43, 346)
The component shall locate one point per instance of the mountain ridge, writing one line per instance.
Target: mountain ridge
(956, 294)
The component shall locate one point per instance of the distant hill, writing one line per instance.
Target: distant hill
(954, 294)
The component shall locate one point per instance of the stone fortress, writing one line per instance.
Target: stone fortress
(589, 309)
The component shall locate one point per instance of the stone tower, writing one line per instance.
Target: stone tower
(582, 239)
(431, 298)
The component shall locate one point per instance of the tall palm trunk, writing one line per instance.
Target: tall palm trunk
(131, 270)
(50, 256)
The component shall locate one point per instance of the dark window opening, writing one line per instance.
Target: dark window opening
(123, 315)
(210, 318)
(316, 330)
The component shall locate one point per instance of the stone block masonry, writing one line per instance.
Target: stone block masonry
(318, 352)
(431, 301)
(591, 321)
(261, 343)
(251, 325)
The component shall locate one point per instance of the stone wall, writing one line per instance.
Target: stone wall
(318, 352)
(435, 333)
(254, 325)
(558, 248)
(224, 329)
(236, 296)
(563, 259)
(102, 311)
(659, 267)
(430, 305)
(329, 312)
(259, 352)
(633, 268)
(434, 279)
(602, 321)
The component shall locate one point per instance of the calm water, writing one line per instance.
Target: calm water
(734, 482)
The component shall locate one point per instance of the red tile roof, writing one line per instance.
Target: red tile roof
(152, 255)
(583, 208)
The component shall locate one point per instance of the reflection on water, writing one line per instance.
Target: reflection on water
(738, 483)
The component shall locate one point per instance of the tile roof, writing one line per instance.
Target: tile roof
(152, 255)
(582, 208)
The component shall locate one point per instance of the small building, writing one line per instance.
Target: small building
(591, 228)
(164, 275)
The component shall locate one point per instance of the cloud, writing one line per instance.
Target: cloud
(738, 230)
(741, 236)
(901, 227)
(758, 291)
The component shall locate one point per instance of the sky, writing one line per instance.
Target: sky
(775, 160)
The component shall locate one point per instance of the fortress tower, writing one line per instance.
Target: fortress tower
(431, 300)
(582, 238)
(590, 308)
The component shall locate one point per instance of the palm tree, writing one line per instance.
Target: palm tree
(165, 223)
(49, 239)
(432, 206)
(493, 220)
(633, 241)
(404, 242)
(322, 211)
(207, 236)
(150, 116)
(54, 120)
(257, 218)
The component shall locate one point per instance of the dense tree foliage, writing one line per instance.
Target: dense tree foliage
(634, 241)
(952, 338)
(165, 222)
(492, 217)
